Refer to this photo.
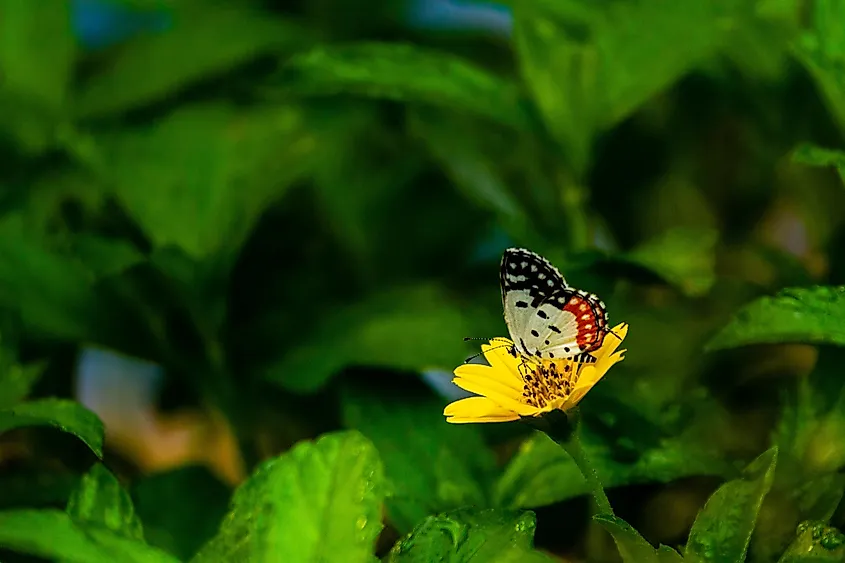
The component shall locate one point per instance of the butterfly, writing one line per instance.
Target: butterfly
(546, 317)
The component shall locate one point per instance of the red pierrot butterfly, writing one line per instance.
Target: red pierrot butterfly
(546, 317)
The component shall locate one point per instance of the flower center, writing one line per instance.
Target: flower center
(544, 382)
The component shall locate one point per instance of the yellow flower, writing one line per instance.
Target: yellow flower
(510, 388)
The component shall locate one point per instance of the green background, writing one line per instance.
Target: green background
(297, 209)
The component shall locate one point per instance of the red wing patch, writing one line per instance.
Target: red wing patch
(591, 317)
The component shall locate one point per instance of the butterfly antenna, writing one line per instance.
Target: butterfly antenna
(472, 357)
(468, 338)
(493, 348)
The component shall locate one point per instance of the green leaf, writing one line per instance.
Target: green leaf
(822, 52)
(542, 473)
(666, 554)
(811, 431)
(105, 256)
(321, 501)
(471, 536)
(406, 73)
(561, 75)
(570, 11)
(100, 500)
(632, 546)
(181, 509)
(818, 156)
(35, 73)
(371, 173)
(760, 48)
(53, 294)
(722, 530)
(204, 40)
(804, 314)
(793, 499)
(467, 162)
(680, 37)
(16, 381)
(36, 487)
(199, 178)
(432, 466)
(30, 65)
(54, 535)
(68, 416)
(683, 257)
(44, 200)
(815, 543)
(590, 69)
(424, 332)
(818, 498)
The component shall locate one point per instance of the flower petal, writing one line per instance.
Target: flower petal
(505, 400)
(498, 357)
(507, 418)
(612, 341)
(602, 366)
(555, 404)
(589, 377)
(477, 409)
(490, 386)
(500, 376)
(573, 399)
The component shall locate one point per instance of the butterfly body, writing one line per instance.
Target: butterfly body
(546, 317)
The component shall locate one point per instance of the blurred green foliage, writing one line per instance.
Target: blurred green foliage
(296, 209)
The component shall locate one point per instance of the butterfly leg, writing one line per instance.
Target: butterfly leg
(527, 367)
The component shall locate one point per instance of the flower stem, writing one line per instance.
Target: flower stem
(579, 456)
(564, 429)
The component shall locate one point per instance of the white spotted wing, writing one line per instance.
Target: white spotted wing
(546, 317)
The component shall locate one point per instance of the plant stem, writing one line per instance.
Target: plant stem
(573, 199)
(564, 429)
(579, 456)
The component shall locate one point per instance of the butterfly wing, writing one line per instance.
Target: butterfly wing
(527, 280)
(568, 323)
